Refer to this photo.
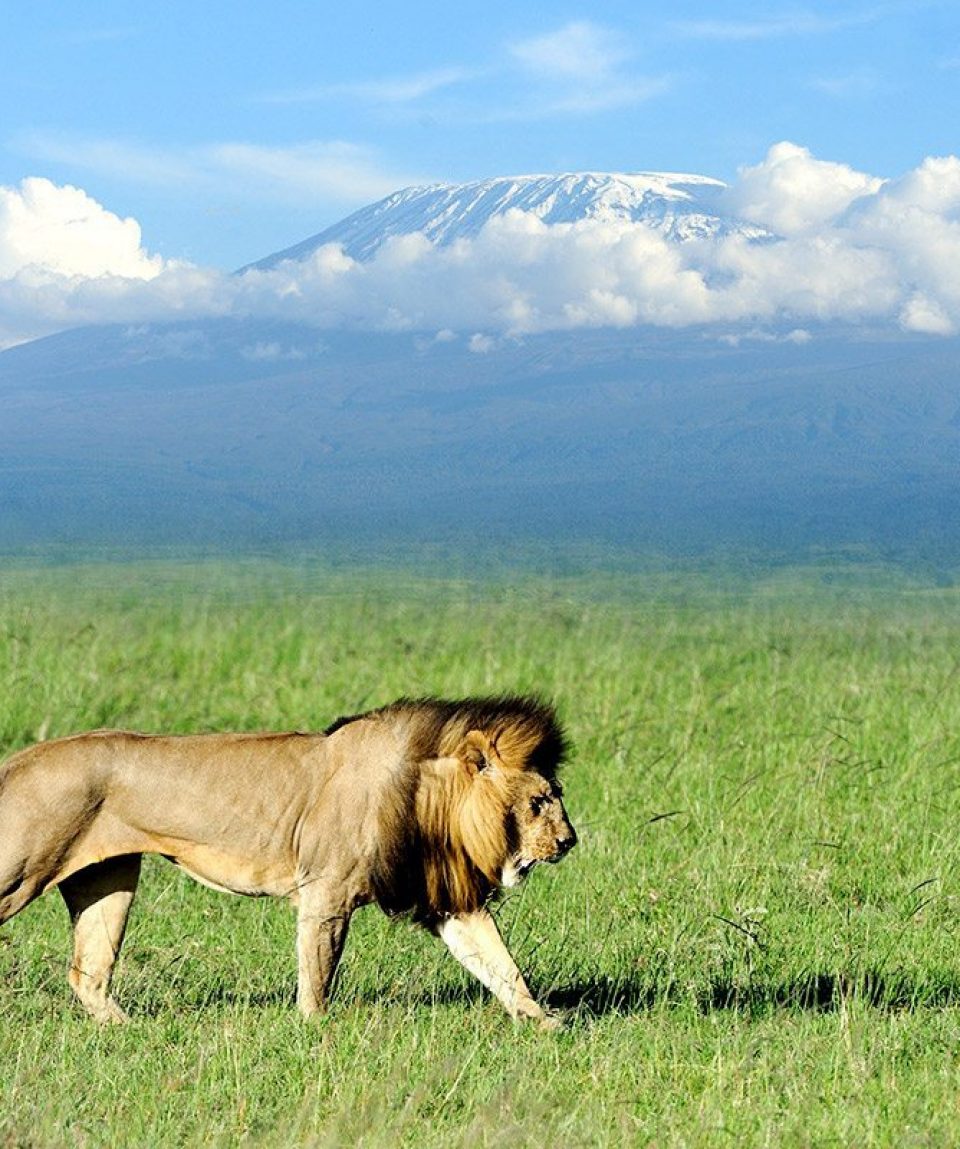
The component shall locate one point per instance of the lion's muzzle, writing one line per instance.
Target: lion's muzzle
(565, 843)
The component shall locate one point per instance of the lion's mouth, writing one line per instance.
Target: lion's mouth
(515, 871)
(523, 866)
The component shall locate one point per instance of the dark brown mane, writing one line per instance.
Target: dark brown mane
(436, 722)
(424, 864)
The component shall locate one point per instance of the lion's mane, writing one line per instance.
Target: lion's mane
(447, 830)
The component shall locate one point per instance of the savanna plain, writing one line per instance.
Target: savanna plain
(756, 941)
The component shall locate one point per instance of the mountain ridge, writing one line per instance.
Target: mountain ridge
(681, 206)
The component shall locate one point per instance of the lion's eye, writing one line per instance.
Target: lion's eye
(537, 804)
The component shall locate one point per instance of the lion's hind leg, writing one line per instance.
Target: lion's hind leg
(17, 890)
(98, 899)
(23, 874)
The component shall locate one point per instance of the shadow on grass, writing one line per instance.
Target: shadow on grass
(814, 992)
(600, 997)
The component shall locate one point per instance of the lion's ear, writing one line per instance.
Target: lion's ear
(476, 752)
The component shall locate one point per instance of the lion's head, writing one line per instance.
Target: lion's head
(538, 829)
(510, 816)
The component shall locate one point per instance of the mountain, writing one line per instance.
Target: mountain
(248, 433)
(682, 207)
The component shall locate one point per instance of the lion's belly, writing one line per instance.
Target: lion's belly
(234, 875)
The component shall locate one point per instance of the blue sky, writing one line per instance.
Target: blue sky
(232, 130)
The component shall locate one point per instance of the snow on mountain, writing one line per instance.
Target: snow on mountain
(682, 207)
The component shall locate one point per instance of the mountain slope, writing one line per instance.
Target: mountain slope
(683, 207)
(178, 434)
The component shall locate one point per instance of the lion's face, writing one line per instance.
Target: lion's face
(538, 827)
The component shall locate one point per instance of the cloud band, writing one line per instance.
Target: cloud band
(850, 248)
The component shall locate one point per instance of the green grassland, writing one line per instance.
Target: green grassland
(757, 941)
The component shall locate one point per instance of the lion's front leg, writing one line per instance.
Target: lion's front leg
(475, 942)
(321, 932)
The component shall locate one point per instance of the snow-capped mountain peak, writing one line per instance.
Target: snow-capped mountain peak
(682, 207)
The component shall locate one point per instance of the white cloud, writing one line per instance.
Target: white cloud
(337, 171)
(122, 160)
(62, 230)
(578, 68)
(932, 187)
(102, 35)
(271, 351)
(38, 301)
(859, 84)
(798, 336)
(927, 316)
(577, 51)
(792, 193)
(796, 23)
(392, 90)
(853, 249)
(66, 261)
(481, 344)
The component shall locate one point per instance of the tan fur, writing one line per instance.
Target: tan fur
(424, 807)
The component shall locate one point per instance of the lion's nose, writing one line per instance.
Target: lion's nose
(568, 841)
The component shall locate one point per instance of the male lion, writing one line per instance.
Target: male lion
(424, 806)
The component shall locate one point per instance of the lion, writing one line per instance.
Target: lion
(426, 807)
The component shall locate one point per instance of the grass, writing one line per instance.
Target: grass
(756, 941)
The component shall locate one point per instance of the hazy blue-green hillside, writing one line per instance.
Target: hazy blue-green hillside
(234, 434)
